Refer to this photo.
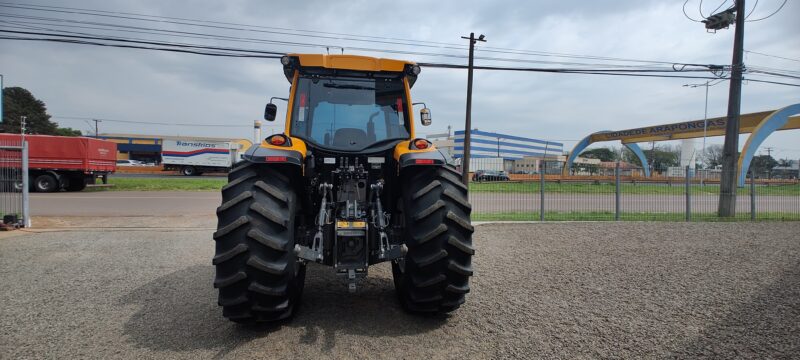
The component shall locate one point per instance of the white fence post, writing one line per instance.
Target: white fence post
(26, 214)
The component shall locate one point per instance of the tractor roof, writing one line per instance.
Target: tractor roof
(346, 62)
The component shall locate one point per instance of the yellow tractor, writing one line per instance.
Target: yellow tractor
(347, 185)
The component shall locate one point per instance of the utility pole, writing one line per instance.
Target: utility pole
(96, 133)
(727, 190)
(652, 158)
(468, 121)
(769, 154)
(769, 151)
(705, 123)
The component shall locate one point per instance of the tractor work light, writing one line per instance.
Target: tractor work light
(285, 60)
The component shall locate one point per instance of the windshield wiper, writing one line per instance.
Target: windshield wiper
(345, 86)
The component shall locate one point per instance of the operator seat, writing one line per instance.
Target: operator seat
(349, 138)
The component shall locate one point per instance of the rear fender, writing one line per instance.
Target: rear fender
(414, 157)
(294, 153)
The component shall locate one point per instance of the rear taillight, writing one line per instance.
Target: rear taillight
(419, 144)
(277, 140)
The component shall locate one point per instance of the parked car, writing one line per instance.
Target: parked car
(484, 175)
(130, 163)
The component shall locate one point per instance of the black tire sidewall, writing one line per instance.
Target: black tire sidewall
(45, 179)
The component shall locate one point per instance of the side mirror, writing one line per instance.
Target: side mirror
(425, 116)
(270, 112)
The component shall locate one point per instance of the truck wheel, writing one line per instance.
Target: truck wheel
(433, 276)
(45, 183)
(257, 273)
(189, 171)
(75, 184)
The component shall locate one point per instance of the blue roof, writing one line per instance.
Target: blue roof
(510, 137)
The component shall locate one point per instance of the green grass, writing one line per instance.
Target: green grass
(625, 188)
(609, 216)
(163, 184)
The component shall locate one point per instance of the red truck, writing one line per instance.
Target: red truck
(62, 162)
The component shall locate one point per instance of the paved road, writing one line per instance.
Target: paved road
(125, 203)
(164, 203)
(167, 175)
(585, 290)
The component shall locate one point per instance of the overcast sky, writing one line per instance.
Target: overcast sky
(140, 85)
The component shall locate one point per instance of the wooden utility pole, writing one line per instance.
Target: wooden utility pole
(468, 122)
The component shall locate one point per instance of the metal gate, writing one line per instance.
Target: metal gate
(14, 209)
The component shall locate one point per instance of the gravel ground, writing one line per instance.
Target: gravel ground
(566, 290)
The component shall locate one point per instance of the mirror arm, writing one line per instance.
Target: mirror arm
(277, 98)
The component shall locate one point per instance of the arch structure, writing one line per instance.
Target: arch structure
(778, 120)
(583, 144)
(759, 124)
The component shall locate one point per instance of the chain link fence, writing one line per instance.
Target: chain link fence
(620, 192)
(14, 184)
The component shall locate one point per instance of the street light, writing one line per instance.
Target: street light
(705, 123)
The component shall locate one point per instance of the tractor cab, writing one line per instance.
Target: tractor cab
(349, 103)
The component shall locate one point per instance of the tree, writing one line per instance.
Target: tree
(712, 157)
(659, 158)
(604, 154)
(763, 164)
(18, 102)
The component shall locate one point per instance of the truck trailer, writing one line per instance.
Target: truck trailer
(64, 162)
(194, 157)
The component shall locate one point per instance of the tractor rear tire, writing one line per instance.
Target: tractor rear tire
(257, 273)
(433, 276)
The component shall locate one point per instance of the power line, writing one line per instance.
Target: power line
(356, 48)
(226, 52)
(751, 10)
(775, 74)
(101, 12)
(147, 122)
(273, 54)
(590, 72)
(772, 56)
(407, 42)
(770, 15)
(687, 15)
(266, 54)
(719, 7)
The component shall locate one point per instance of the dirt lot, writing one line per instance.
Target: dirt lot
(562, 290)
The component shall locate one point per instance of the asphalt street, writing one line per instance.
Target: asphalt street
(167, 203)
(551, 290)
(168, 174)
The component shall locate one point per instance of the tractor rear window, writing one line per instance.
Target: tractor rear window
(349, 113)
